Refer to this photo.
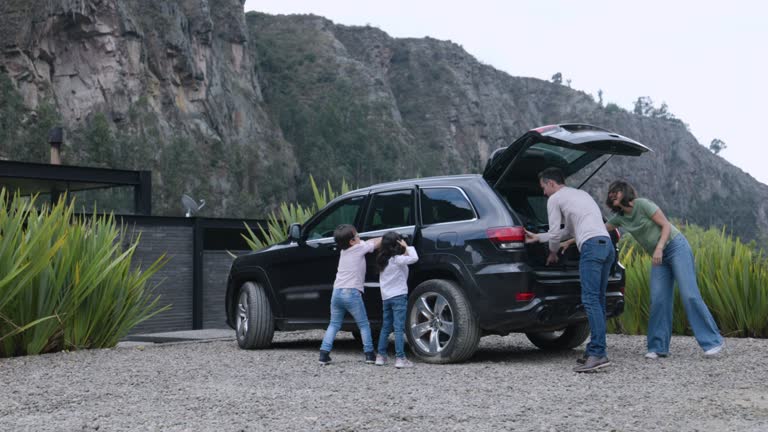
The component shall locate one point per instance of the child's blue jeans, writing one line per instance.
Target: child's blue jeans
(346, 300)
(394, 317)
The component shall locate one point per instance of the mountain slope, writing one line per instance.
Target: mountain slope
(241, 108)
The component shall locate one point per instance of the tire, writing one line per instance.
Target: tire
(254, 323)
(441, 326)
(569, 338)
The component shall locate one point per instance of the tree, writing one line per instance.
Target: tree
(717, 145)
(643, 105)
(23, 131)
(662, 112)
(600, 97)
(557, 78)
(98, 142)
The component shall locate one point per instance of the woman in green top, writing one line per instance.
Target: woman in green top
(672, 261)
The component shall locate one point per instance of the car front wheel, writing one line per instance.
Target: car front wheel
(254, 323)
(441, 327)
(568, 338)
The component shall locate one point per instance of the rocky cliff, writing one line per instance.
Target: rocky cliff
(240, 109)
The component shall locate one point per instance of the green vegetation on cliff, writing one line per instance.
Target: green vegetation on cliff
(24, 133)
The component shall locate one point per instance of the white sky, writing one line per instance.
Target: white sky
(708, 60)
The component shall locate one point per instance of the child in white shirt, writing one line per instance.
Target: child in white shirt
(348, 290)
(393, 260)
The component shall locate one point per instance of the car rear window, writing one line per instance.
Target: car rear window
(440, 205)
(553, 153)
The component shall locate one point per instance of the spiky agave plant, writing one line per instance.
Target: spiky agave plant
(278, 222)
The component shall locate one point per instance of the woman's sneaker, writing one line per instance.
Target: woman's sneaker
(714, 351)
(653, 355)
(381, 360)
(370, 357)
(401, 363)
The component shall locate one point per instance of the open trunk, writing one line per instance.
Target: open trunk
(513, 173)
(530, 205)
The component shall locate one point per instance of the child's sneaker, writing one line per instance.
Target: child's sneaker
(370, 357)
(381, 360)
(403, 363)
(325, 357)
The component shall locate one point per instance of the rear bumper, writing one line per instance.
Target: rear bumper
(548, 313)
(556, 303)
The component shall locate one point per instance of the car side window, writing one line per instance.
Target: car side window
(344, 212)
(439, 205)
(390, 210)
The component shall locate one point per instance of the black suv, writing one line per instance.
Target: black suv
(475, 274)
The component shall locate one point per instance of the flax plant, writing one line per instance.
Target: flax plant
(69, 282)
(732, 278)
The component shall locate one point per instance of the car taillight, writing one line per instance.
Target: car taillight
(524, 296)
(621, 289)
(507, 237)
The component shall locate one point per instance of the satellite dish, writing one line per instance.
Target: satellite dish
(190, 205)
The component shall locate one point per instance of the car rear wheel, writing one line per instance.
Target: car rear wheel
(254, 323)
(441, 327)
(568, 338)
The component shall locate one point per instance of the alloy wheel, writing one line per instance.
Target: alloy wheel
(431, 322)
(242, 315)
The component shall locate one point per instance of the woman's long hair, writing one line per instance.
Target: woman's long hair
(389, 248)
(628, 195)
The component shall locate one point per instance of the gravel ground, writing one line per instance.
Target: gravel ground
(508, 385)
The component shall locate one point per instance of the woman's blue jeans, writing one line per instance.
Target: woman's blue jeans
(677, 265)
(597, 256)
(346, 300)
(393, 318)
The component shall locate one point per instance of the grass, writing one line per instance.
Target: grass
(732, 277)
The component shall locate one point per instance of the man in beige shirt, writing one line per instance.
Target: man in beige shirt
(580, 215)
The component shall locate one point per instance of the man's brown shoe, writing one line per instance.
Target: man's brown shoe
(592, 364)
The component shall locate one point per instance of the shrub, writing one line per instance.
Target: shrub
(732, 278)
(67, 282)
(278, 223)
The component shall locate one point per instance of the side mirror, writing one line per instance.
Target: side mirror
(294, 232)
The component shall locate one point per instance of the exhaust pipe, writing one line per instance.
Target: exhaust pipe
(545, 314)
